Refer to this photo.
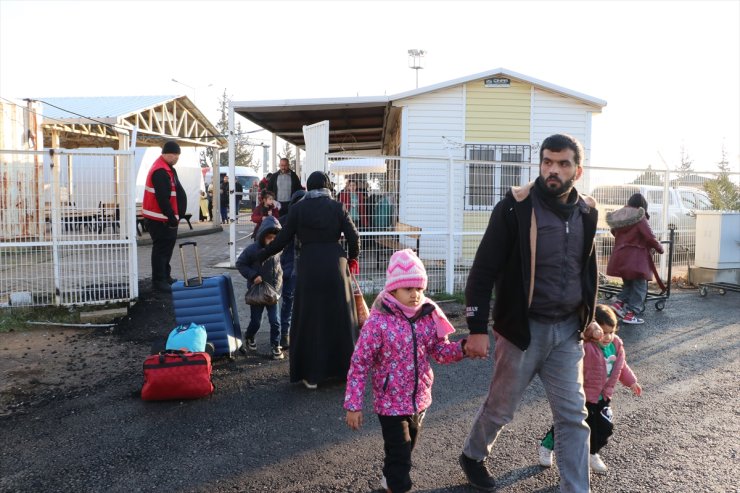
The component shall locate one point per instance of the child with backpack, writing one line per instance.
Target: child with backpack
(403, 330)
(270, 272)
(604, 363)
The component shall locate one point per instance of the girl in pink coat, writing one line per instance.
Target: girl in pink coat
(403, 330)
(631, 258)
(604, 363)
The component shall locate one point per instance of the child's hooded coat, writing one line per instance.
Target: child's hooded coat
(270, 270)
(394, 351)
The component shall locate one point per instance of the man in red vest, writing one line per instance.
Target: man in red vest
(165, 202)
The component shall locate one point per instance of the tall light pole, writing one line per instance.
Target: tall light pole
(194, 89)
(415, 57)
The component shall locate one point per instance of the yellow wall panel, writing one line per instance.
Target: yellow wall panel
(473, 221)
(499, 114)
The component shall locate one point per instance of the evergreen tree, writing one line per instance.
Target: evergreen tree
(724, 194)
(723, 164)
(243, 152)
(685, 168)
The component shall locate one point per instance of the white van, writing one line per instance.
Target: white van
(683, 202)
(244, 175)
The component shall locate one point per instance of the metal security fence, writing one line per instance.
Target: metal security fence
(67, 218)
(440, 207)
(67, 227)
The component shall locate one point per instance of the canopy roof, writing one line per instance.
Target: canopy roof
(354, 123)
(364, 123)
(99, 121)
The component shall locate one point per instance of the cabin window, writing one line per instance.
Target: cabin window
(493, 172)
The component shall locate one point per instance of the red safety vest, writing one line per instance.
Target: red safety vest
(150, 207)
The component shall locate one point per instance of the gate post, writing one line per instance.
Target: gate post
(450, 261)
(55, 213)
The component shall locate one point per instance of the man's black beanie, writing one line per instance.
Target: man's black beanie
(171, 147)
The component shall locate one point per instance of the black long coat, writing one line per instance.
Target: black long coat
(324, 328)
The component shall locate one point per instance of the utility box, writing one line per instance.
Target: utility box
(717, 240)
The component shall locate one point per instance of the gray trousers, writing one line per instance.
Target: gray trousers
(556, 355)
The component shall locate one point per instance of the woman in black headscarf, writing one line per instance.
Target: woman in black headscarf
(324, 327)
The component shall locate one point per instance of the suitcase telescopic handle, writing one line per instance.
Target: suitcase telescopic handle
(197, 263)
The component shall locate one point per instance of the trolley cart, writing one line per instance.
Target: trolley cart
(721, 287)
(610, 290)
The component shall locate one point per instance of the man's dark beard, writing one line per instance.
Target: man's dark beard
(552, 201)
(563, 189)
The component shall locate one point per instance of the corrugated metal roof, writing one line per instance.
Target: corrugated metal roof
(99, 107)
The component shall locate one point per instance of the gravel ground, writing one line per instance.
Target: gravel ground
(88, 430)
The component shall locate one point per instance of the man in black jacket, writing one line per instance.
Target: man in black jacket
(284, 184)
(538, 254)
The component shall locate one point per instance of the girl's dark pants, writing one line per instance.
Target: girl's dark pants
(399, 438)
(599, 420)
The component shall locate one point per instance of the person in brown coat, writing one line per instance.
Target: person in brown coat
(631, 259)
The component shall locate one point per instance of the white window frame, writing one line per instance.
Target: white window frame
(496, 166)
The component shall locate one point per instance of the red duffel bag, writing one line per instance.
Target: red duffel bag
(174, 374)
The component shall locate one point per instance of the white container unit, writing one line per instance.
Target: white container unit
(718, 239)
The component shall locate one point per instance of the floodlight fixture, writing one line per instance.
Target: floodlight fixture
(415, 59)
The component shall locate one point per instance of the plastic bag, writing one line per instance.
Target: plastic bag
(363, 312)
(263, 294)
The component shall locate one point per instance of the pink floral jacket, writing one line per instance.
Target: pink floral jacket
(394, 351)
(595, 381)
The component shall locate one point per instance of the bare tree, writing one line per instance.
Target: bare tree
(244, 152)
(288, 154)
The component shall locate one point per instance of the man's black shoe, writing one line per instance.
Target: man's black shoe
(477, 473)
(285, 342)
(161, 287)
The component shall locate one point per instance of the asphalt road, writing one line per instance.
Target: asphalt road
(260, 433)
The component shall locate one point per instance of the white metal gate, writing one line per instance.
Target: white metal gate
(67, 227)
(317, 145)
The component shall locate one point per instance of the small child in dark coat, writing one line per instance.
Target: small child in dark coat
(270, 272)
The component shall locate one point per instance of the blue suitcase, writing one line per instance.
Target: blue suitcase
(209, 302)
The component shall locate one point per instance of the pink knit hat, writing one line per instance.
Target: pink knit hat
(405, 270)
